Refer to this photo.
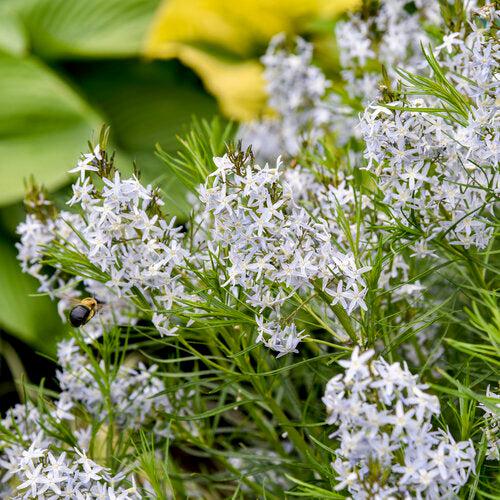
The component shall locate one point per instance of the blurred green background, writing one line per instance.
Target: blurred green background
(144, 67)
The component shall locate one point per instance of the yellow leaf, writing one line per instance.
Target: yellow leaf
(222, 41)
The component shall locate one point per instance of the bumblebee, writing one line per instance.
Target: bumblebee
(83, 312)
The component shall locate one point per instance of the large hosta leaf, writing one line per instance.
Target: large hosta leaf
(13, 36)
(84, 28)
(32, 319)
(43, 126)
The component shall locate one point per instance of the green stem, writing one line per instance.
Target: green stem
(343, 317)
(295, 437)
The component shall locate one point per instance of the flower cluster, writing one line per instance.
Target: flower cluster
(121, 231)
(306, 107)
(45, 450)
(439, 168)
(388, 447)
(391, 35)
(335, 193)
(297, 95)
(492, 426)
(273, 248)
(134, 393)
(45, 467)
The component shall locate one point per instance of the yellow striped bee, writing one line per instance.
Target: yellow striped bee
(83, 311)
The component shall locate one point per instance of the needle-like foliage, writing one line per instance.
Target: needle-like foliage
(325, 322)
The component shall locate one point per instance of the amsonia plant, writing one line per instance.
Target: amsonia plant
(324, 324)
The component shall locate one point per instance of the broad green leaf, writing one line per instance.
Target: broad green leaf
(44, 125)
(32, 319)
(13, 36)
(86, 28)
